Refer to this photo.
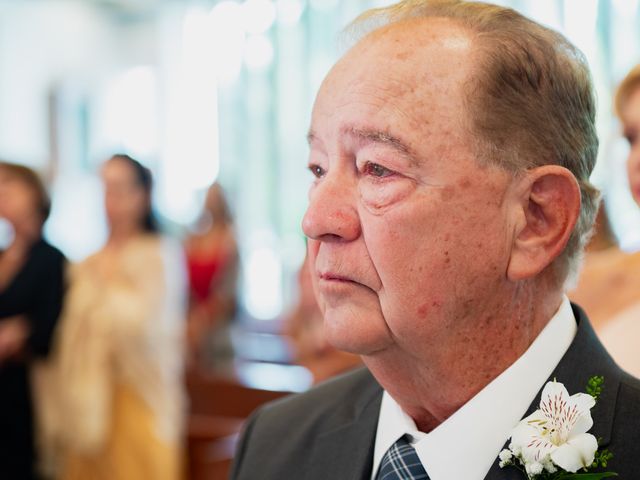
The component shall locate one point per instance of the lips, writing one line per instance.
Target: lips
(334, 277)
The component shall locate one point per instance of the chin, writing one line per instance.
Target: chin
(356, 332)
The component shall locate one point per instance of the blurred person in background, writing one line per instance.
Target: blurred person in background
(610, 277)
(304, 325)
(621, 334)
(212, 262)
(31, 295)
(120, 349)
(609, 284)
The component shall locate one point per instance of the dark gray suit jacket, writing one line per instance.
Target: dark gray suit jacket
(329, 432)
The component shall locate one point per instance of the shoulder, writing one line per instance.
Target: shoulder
(46, 260)
(624, 434)
(315, 403)
(630, 393)
(157, 245)
(44, 250)
(295, 424)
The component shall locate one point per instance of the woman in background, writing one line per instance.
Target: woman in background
(610, 277)
(31, 293)
(212, 261)
(621, 333)
(121, 344)
(609, 286)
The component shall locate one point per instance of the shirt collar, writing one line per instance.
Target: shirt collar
(479, 429)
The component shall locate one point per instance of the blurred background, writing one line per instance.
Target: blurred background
(204, 92)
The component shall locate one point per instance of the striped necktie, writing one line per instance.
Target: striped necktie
(401, 462)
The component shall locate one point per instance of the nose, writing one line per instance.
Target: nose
(332, 213)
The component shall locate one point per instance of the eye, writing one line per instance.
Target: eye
(376, 170)
(317, 171)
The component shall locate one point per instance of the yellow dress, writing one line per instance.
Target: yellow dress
(119, 407)
(131, 451)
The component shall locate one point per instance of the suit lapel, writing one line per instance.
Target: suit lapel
(345, 451)
(585, 358)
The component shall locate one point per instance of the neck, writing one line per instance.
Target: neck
(121, 234)
(434, 384)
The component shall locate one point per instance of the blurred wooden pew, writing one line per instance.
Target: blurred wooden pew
(218, 408)
(224, 397)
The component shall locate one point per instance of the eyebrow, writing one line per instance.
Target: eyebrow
(366, 135)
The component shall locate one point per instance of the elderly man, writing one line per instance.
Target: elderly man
(451, 149)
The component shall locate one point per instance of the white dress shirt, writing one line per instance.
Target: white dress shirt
(467, 443)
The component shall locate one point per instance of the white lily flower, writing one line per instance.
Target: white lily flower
(558, 430)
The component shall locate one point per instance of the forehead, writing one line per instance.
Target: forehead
(419, 56)
(117, 171)
(407, 79)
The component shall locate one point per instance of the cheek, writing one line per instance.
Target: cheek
(312, 254)
(407, 247)
(414, 266)
(140, 208)
(377, 196)
(24, 204)
(114, 206)
(427, 253)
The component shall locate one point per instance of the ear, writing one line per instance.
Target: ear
(548, 211)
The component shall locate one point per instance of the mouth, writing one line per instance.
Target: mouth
(333, 277)
(335, 282)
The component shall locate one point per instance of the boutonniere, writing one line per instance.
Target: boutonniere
(552, 443)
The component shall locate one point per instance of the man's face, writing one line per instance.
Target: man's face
(409, 236)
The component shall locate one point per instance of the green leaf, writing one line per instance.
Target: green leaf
(594, 386)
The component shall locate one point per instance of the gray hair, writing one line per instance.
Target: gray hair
(531, 103)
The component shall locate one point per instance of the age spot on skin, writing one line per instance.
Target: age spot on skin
(447, 193)
(425, 308)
